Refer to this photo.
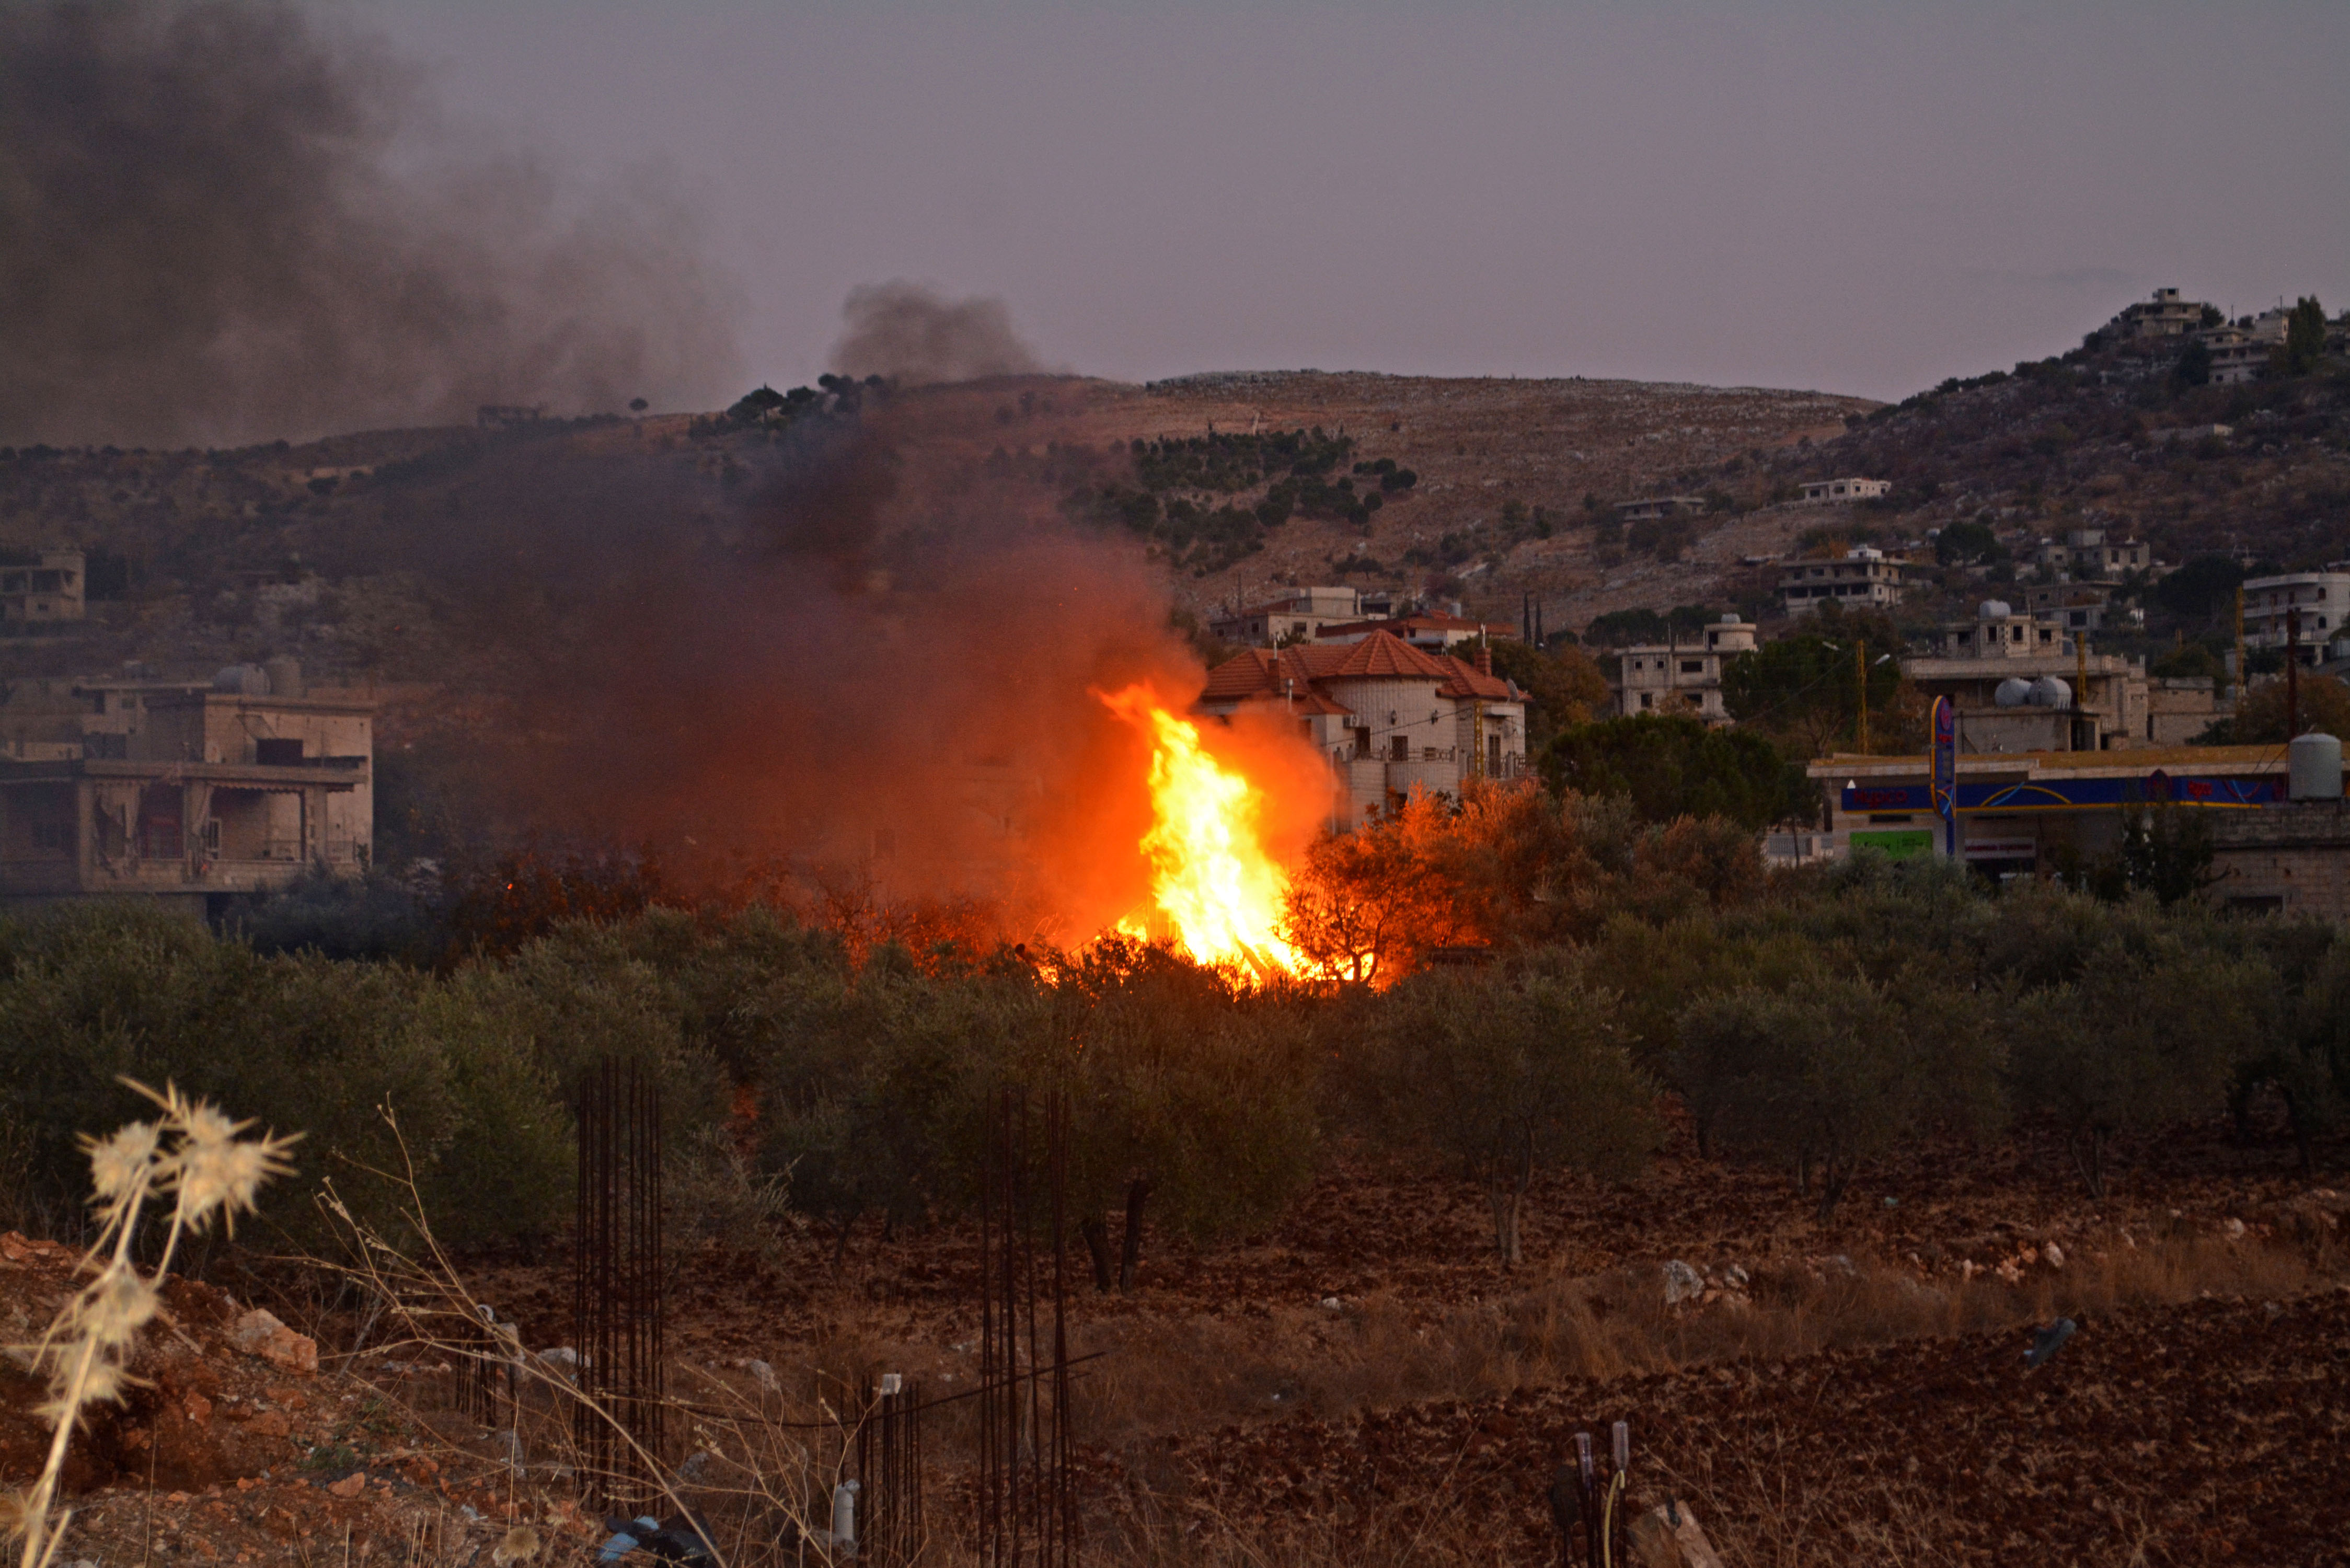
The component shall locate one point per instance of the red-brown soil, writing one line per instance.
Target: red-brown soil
(1363, 1373)
(2211, 1432)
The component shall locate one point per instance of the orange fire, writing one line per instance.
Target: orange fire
(1212, 878)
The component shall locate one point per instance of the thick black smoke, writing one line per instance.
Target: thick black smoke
(203, 239)
(913, 334)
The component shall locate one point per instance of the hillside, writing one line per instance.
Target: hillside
(565, 588)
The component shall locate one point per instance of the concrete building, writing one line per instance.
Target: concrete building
(2085, 554)
(1830, 492)
(1656, 507)
(2076, 606)
(1685, 676)
(2020, 685)
(50, 589)
(1862, 577)
(2288, 858)
(1390, 717)
(1299, 615)
(1430, 631)
(182, 792)
(2236, 355)
(2179, 708)
(2322, 597)
(2164, 315)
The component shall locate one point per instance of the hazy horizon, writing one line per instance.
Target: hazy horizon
(1848, 199)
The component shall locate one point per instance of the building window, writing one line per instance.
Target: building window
(1697, 666)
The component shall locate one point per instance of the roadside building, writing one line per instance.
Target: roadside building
(2323, 598)
(1831, 491)
(49, 589)
(181, 793)
(2057, 814)
(1680, 675)
(1299, 615)
(1390, 718)
(1862, 577)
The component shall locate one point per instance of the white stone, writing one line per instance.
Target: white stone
(1682, 1282)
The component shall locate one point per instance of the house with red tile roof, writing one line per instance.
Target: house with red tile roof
(1390, 717)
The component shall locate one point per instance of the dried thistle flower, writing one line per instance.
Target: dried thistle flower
(192, 1151)
(118, 1164)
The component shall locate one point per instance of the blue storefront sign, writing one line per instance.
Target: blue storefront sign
(2072, 795)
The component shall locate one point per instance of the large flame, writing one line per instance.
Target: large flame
(1212, 878)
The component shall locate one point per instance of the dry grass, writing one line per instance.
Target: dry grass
(1196, 1375)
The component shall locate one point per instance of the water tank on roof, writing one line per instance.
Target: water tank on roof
(1729, 618)
(2314, 767)
(284, 676)
(2013, 692)
(243, 680)
(2049, 692)
(1994, 610)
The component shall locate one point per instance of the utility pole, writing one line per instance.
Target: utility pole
(2080, 692)
(1860, 680)
(2240, 642)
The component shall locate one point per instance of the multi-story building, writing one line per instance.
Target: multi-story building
(1390, 717)
(2076, 606)
(1862, 576)
(2323, 598)
(2021, 684)
(2236, 355)
(49, 589)
(2085, 554)
(2165, 316)
(1299, 616)
(1682, 675)
(182, 792)
(1830, 492)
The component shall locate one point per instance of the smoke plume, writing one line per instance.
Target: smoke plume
(206, 241)
(914, 334)
(866, 664)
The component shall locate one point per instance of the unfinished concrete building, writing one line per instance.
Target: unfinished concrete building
(183, 793)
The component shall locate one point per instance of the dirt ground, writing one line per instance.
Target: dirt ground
(1363, 1383)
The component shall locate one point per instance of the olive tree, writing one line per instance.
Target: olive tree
(2148, 1035)
(1507, 1075)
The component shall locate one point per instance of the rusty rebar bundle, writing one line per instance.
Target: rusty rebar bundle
(1027, 1508)
(890, 1459)
(617, 1298)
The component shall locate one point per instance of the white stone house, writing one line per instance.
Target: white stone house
(1390, 718)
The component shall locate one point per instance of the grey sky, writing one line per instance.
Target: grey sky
(1856, 198)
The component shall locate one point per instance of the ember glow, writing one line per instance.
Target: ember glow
(1212, 878)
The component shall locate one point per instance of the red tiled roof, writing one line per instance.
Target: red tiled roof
(1383, 655)
(1467, 680)
(1293, 674)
